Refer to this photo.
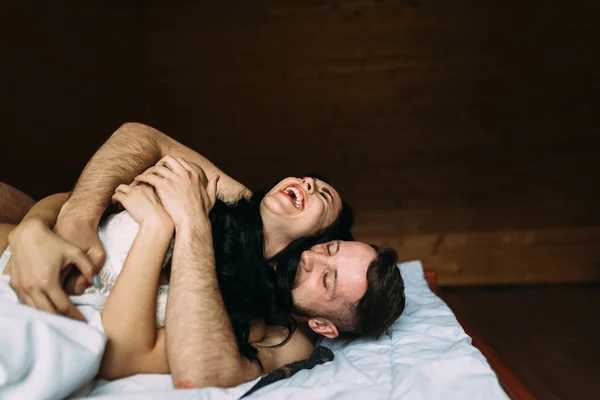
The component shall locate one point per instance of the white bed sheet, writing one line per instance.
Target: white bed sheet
(425, 355)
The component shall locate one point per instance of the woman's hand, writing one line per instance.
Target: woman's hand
(39, 258)
(183, 189)
(144, 205)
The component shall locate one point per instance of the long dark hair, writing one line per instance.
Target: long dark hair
(250, 285)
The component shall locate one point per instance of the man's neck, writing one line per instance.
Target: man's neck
(306, 331)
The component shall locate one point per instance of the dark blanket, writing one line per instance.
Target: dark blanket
(319, 356)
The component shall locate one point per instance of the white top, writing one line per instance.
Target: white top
(117, 232)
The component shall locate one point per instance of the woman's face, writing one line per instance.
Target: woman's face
(298, 207)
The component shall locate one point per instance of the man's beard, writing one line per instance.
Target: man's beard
(288, 278)
(290, 268)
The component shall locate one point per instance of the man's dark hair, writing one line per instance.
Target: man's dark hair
(381, 305)
(384, 300)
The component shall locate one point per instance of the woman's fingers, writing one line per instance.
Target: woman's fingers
(150, 193)
(122, 188)
(193, 168)
(150, 179)
(63, 305)
(26, 299)
(160, 170)
(118, 198)
(173, 164)
(41, 302)
(83, 264)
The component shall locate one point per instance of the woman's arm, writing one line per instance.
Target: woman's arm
(47, 209)
(34, 245)
(129, 315)
(128, 152)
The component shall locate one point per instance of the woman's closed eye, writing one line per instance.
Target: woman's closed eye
(326, 195)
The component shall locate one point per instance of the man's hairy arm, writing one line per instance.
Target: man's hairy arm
(128, 152)
(201, 346)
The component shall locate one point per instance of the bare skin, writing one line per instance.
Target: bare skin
(14, 204)
(130, 150)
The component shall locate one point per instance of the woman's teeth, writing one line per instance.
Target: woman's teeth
(295, 195)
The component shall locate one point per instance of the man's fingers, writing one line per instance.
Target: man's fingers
(63, 304)
(41, 302)
(211, 189)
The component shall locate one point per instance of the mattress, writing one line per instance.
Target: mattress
(425, 355)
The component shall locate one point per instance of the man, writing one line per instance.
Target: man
(201, 347)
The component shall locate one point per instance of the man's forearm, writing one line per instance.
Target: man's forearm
(201, 346)
(129, 151)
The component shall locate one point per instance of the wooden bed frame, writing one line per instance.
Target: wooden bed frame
(511, 384)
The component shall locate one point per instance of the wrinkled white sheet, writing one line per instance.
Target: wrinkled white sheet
(426, 355)
(43, 356)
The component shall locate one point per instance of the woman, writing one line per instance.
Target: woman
(251, 289)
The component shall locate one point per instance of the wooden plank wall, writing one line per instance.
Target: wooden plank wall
(464, 133)
(69, 76)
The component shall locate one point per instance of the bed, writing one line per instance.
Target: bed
(425, 355)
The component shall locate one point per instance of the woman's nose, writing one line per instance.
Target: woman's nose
(309, 183)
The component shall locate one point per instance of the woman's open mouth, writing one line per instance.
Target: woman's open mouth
(296, 195)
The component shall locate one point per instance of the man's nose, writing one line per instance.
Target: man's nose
(311, 260)
(305, 261)
(309, 184)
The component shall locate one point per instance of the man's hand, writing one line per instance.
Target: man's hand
(181, 188)
(39, 257)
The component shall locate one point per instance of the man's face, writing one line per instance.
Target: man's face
(330, 276)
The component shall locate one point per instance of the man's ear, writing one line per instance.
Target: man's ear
(324, 327)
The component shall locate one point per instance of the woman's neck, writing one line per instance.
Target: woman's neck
(274, 242)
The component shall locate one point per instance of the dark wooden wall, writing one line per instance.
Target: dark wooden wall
(69, 76)
(465, 133)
